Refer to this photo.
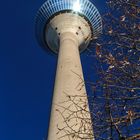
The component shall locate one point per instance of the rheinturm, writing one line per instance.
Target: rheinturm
(67, 27)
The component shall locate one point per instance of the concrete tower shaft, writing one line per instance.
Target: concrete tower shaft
(67, 27)
(69, 83)
(74, 34)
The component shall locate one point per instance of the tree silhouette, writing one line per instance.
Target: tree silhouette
(119, 73)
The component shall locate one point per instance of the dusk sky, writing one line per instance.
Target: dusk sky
(27, 72)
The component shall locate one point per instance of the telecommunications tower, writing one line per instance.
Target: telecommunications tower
(67, 27)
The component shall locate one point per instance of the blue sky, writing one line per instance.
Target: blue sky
(27, 72)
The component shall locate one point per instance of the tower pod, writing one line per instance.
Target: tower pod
(50, 18)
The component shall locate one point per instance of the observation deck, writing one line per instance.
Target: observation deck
(52, 8)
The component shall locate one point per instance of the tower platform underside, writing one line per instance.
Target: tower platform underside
(53, 8)
(68, 23)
